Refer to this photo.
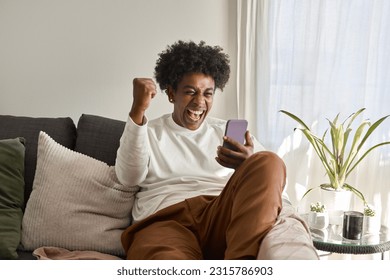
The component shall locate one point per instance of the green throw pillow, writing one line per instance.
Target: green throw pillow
(11, 195)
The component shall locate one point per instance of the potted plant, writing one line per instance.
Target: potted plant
(318, 216)
(339, 159)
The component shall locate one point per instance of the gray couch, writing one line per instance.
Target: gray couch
(98, 137)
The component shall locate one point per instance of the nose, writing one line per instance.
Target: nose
(199, 99)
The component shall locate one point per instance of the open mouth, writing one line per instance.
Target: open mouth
(195, 115)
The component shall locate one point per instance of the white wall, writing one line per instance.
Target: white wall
(65, 58)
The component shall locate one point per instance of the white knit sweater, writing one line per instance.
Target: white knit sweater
(171, 163)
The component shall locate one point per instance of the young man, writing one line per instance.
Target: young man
(197, 199)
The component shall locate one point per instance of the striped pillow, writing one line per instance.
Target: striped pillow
(77, 202)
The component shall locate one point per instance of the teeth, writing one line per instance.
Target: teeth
(195, 115)
(195, 112)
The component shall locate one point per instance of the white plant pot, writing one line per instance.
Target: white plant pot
(336, 202)
(371, 225)
(318, 220)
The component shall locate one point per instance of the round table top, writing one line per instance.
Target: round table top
(331, 240)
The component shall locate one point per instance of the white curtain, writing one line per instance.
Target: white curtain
(316, 58)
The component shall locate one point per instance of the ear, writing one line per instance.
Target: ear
(171, 94)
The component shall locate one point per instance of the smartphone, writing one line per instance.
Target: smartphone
(235, 129)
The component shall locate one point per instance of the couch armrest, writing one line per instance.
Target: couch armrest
(289, 239)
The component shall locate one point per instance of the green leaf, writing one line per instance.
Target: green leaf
(346, 137)
(309, 190)
(353, 116)
(365, 154)
(368, 133)
(336, 118)
(333, 136)
(371, 129)
(358, 193)
(355, 147)
(319, 147)
(295, 118)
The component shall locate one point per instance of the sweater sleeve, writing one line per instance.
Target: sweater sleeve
(131, 165)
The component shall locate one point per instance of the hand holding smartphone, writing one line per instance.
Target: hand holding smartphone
(235, 129)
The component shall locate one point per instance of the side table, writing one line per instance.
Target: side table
(331, 240)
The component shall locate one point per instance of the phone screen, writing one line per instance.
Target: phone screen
(235, 129)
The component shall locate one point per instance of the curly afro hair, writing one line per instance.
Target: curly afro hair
(188, 57)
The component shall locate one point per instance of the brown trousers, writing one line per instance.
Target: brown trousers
(229, 226)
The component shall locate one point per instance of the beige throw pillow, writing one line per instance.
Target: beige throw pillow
(76, 203)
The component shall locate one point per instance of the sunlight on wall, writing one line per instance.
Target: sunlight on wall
(295, 189)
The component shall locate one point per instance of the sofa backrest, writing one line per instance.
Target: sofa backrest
(99, 137)
(94, 136)
(61, 130)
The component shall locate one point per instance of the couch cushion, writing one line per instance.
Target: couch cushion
(63, 130)
(99, 137)
(11, 195)
(77, 202)
(289, 238)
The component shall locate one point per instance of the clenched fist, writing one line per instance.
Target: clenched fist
(144, 89)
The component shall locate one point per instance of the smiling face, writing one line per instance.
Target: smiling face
(192, 99)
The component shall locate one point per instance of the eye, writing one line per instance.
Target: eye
(209, 94)
(189, 92)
